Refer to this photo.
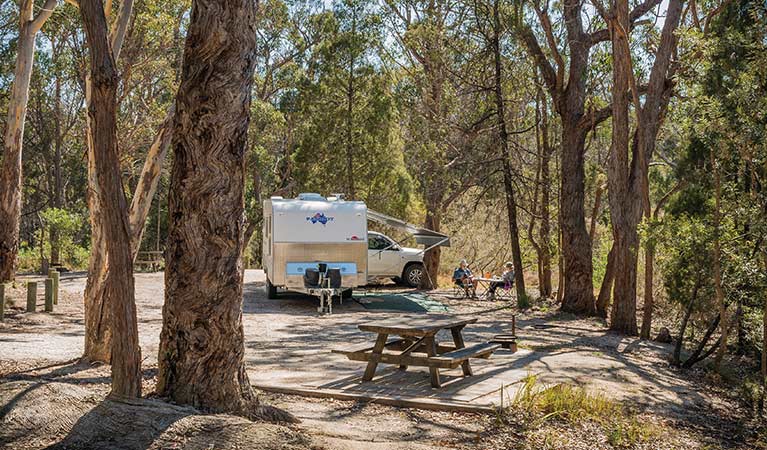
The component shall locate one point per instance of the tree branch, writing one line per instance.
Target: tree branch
(43, 15)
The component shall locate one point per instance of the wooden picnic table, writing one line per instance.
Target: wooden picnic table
(417, 334)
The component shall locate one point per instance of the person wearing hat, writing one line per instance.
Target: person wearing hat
(506, 281)
(463, 277)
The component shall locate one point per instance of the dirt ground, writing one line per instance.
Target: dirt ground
(286, 340)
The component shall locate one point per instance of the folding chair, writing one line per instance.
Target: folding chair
(468, 290)
(504, 293)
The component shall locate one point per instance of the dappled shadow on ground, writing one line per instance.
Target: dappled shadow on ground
(556, 347)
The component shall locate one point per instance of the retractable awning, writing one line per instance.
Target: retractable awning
(423, 236)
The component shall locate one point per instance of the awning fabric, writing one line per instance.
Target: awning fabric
(423, 236)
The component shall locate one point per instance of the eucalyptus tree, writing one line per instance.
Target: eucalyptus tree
(30, 23)
(628, 179)
(113, 222)
(98, 326)
(428, 34)
(201, 345)
(564, 67)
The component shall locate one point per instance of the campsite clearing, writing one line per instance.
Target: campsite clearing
(288, 350)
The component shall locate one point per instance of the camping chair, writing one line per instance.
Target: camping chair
(505, 292)
(467, 290)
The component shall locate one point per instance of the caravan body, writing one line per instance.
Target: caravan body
(301, 233)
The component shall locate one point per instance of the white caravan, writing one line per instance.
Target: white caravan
(302, 233)
(305, 232)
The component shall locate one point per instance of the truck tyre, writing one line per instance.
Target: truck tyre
(271, 290)
(413, 274)
(346, 294)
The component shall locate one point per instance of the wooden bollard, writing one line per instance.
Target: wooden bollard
(2, 302)
(55, 275)
(49, 295)
(31, 296)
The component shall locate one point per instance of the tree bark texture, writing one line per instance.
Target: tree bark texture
(114, 226)
(576, 245)
(98, 332)
(627, 178)
(544, 232)
(201, 344)
(625, 202)
(503, 140)
(606, 288)
(10, 170)
(432, 257)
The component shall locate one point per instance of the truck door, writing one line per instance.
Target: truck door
(383, 257)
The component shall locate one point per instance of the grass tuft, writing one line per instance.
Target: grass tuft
(574, 405)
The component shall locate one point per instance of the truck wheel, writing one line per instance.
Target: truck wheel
(413, 275)
(346, 294)
(271, 290)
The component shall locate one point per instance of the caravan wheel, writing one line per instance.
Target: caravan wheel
(271, 290)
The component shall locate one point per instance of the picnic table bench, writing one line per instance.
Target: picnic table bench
(417, 335)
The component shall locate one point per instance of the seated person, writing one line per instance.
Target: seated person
(507, 279)
(462, 277)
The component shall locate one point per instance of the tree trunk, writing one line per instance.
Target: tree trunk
(544, 232)
(696, 355)
(606, 289)
(649, 262)
(98, 311)
(431, 258)
(595, 213)
(576, 245)
(677, 359)
(625, 205)
(10, 170)
(58, 188)
(201, 345)
(115, 229)
(149, 179)
(508, 182)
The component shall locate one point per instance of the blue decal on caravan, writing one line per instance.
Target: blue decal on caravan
(321, 218)
(298, 268)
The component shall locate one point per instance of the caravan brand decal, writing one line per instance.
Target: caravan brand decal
(320, 218)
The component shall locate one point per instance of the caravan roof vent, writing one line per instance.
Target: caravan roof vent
(310, 196)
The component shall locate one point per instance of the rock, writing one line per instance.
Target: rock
(664, 336)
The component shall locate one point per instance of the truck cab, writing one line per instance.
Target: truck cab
(389, 260)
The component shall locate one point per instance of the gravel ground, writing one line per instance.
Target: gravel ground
(286, 337)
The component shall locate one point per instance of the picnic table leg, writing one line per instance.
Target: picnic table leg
(458, 340)
(431, 350)
(370, 370)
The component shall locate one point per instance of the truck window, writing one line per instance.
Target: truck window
(376, 242)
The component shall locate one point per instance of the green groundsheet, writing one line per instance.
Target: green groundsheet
(405, 301)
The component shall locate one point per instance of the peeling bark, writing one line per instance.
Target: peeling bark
(201, 345)
(113, 224)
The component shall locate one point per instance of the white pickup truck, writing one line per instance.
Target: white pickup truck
(388, 260)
